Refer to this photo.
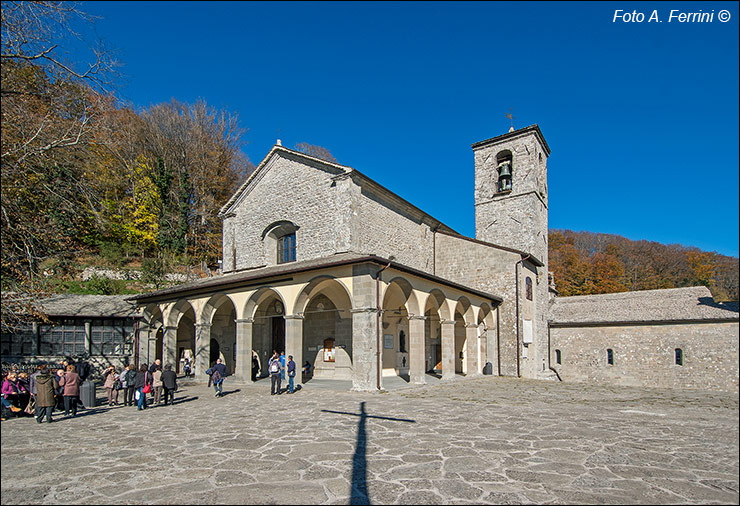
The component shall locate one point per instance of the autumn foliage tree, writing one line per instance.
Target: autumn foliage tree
(587, 263)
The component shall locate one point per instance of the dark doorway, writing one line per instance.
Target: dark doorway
(159, 345)
(278, 334)
(215, 351)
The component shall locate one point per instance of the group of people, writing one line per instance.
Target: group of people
(49, 388)
(160, 382)
(42, 391)
(277, 368)
(46, 389)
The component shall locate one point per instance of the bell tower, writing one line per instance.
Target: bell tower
(511, 191)
(511, 212)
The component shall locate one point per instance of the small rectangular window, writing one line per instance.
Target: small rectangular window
(558, 357)
(286, 248)
(610, 356)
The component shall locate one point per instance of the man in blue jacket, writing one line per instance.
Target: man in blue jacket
(218, 374)
(291, 373)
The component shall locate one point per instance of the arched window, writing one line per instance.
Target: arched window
(402, 341)
(504, 168)
(679, 356)
(528, 285)
(280, 242)
(610, 356)
(558, 357)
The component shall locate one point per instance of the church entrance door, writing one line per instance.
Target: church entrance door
(278, 334)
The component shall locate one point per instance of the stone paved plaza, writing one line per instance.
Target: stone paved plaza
(486, 440)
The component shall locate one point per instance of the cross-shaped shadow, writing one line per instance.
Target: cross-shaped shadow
(359, 460)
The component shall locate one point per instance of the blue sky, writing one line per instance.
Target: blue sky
(642, 118)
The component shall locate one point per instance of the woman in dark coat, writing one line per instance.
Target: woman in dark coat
(46, 384)
(71, 383)
(143, 378)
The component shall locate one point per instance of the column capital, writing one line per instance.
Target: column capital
(417, 317)
(471, 325)
(244, 320)
(447, 322)
(293, 317)
(169, 327)
(203, 325)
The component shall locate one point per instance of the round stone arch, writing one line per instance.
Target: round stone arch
(259, 297)
(180, 338)
(151, 340)
(465, 343)
(326, 306)
(333, 288)
(219, 312)
(398, 303)
(488, 350)
(270, 237)
(435, 311)
(266, 309)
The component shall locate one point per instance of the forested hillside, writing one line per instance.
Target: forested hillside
(589, 263)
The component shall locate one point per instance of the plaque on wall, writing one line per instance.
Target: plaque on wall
(388, 341)
(328, 354)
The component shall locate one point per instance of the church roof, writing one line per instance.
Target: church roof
(693, 304)
(342, 170)
(256, 277)
(89, 306)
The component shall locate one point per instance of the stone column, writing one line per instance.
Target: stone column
(169, 347)
(244, 349)
(88, 338)
(294, 345)
(471, 352)
(202, 350)
(365, 349)
(448, 349)
(36, 339)
(416, 350)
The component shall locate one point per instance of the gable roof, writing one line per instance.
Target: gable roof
(89, 306)
(692, 304)
(341, 171)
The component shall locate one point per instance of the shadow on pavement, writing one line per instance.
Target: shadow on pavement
(360, 494)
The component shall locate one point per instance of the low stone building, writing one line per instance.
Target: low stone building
(101, 328)
(662, 338)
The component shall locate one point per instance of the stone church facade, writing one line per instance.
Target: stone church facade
(322, 262)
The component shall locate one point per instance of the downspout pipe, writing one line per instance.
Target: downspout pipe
(516, 284)
(377, 325)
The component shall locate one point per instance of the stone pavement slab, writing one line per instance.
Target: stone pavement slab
(470, 441)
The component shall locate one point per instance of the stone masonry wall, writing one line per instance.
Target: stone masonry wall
(644, 355)
(333, 214)
(288, 190)
(383, 229)
(487, 269)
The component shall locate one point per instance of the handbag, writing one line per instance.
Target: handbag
(147, 389)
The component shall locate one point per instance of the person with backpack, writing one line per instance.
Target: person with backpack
(274, 368)
(129, 393)
(217, 375)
